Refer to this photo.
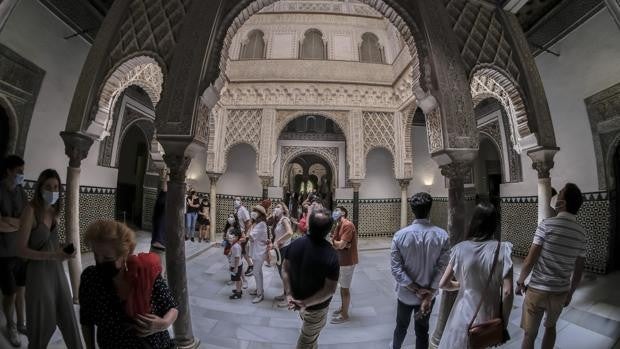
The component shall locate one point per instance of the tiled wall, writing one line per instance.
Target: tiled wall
(519, 221)
(95, 203)
(377, 217)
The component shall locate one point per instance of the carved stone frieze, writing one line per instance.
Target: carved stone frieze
(300, 94)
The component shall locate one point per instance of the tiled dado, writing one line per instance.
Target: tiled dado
(95, 203)
(377, 217)
(519, 216)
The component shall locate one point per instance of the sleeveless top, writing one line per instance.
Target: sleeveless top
(280, 231)
(42, 238)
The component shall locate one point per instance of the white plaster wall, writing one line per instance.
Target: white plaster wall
(196, 173)
(37, 35)
(240, 177)
(380, 182)
(425, 169)
(588, 63)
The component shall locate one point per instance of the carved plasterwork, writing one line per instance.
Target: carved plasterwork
(243, 126)
(288, 153)
(201, 133)
(378, 131)
(283, 117)
(604, 114)
(300, 94)
(480, 35)
(321, 7)
(141, 71)
(487, 83)
(149, 25)
(434, 131)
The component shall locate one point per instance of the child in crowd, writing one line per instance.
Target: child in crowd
(235, 262)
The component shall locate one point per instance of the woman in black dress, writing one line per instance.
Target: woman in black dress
(203, 220)
(124, 296)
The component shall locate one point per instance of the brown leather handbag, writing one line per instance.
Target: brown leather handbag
(489, 333)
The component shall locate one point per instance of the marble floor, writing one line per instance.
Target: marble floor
(592, 321)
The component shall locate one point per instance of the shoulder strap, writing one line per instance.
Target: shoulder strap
(495, 258)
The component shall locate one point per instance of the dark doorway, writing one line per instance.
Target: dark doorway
(131, 169)
(615, 247)
(4, 132)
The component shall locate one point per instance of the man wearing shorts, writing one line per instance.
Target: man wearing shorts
(556, 260)
(344, 241)
(13, 199)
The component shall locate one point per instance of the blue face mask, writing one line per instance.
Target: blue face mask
(50, 197)
(19, 179)
(336, 215)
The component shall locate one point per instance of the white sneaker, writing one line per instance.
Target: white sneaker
(14, 336)
(245, 284)
(229, 282)
(257, 299)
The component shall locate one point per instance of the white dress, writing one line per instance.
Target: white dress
(472, 262)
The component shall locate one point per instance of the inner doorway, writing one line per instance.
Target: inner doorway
(132, 165)
(4, 132)
(309, 175)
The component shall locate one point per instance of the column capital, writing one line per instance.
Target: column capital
(178, 165)
(266, 181)
(456, 170)
(355, 184)
(404, 183)
(77, 146)
(213, 177)
(542, 160)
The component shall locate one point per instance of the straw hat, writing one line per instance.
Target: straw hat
(260, 209)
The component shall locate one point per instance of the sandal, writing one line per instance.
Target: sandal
(339, 319)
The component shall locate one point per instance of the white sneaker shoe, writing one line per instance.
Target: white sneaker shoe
(14, 336)
(257, 299)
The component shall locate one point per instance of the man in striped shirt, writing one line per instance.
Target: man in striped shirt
(556, 260)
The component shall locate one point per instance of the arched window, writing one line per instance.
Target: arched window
(313, 46)
(254, 47)
(310, 124)
(370, 50)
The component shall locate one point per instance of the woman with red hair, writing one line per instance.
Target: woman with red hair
(124, 295)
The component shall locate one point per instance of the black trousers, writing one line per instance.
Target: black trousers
(403, 319)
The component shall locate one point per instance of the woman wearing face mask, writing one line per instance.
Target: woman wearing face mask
(191, 215)
(124, 296)
(260, 239)
(48, 297)
(282, 238)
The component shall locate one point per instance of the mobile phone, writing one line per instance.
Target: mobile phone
(69, 249)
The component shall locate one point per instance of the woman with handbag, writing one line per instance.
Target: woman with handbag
(482, 268)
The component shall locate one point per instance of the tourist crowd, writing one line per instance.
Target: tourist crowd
(125, 301)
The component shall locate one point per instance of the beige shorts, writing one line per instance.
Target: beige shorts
(346, 275)
(536, 304)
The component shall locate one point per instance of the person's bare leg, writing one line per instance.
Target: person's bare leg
(8, 306)
(528, 341)
(345, 294)
(549, 338)
(20, 305)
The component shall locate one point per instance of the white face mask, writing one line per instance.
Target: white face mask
(277, 211)
(237, 203)
(231, 237)
(231, 220)
(553, 201)
(254, 215)
(50, 197)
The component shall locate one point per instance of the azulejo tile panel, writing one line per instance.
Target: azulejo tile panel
(225, 207)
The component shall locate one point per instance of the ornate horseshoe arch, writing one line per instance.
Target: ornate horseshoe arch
(329, 154)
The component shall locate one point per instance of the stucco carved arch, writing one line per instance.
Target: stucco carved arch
(319, 151)
(284, 118)
(487, 81)
(233, 145)
(13, 124)
(143, 71)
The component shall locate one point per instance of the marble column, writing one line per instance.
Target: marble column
(77, 146)
(213, 178)
(404, 185)
(355, 184)
(455, 173)
(265, 181)
(175, 248)
(542, 162)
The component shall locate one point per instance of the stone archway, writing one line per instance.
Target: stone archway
(142, 71)
(330, 155)
(490, 82)
(10, 127)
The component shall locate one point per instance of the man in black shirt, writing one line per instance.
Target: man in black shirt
(310, 273)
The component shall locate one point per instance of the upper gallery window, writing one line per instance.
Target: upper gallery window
(313, 46)
(254, 46)
(370, 49)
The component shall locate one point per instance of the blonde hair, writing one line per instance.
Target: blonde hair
(284, 207)
(110, 231)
